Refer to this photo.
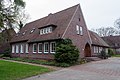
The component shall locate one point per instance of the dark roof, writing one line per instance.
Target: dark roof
(60, 19)
(113, 41)
(97, 40)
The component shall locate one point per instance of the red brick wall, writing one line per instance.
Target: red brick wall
(78, 40)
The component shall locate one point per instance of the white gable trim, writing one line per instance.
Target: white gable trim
(70, 21)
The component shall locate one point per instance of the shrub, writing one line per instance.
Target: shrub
(7, 53)
(103, 54)
(66, 52)
(110, 52)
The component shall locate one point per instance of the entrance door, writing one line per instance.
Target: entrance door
(87, 50)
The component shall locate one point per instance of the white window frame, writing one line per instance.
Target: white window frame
(77, 29)
(26, 48)
(33, 48)
(39, 46)
(51, 51)
(21, 48)
(13, 48)
(45, 48)
(17, 48)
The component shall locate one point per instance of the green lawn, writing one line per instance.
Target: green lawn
(15, 71)
(116, 55)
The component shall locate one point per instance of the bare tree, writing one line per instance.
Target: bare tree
(106, 31)
(117, 23)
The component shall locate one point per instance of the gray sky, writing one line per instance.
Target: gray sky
(97, 13)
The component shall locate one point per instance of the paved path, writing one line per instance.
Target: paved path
(100, 70)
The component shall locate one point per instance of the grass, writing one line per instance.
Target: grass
(116, 55)
(42, 62)
(17, 71)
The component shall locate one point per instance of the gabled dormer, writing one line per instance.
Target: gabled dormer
(47, 29)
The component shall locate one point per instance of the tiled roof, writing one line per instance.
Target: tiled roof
(97, 40)
(113, 41)
(60, 19)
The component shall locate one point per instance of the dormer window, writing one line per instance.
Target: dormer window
(32, 30)
(24, 32)
(45, 30)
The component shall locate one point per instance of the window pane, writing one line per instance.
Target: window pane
(77, 29)
(13, 48)
(17, 49)
(81, 31)
(46, 48)
(40, 48)
(34, 48)
(26, 48)
(53, 47)
(21, 49)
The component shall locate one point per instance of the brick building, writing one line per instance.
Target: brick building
(38, 38)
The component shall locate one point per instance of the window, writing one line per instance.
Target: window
(46, 47)
(100, 49)
(95, 49)
(17, 49)
(21, 48)
(32, 30)
(52, 47)
(26, 48)
(34, 48)
(13, 49)
(40, 48)
(81, 31)
(45, 30)
(77, 29)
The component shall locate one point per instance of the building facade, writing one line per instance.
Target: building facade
(38, 38)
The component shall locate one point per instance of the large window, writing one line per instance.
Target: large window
(46, 47)
(34, 48)
(17, 49)
(52, 47)
(13, 49)
(26, 48)
(40, 48)
(21, 48)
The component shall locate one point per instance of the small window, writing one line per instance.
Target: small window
(17, 49)
(46, 47)
(21, 48)
(52, 47)
(32, 30)
(40, 48)
(81, 31)
(26, 48)
(79, 19)
(13, 49)
(24, 33)
(77, 29)
(34, 48)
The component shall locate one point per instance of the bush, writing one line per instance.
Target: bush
(66, 52)
(110, 52)
(7, 53)
(103, 54)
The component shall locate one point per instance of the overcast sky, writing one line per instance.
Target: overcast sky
(97, 13)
